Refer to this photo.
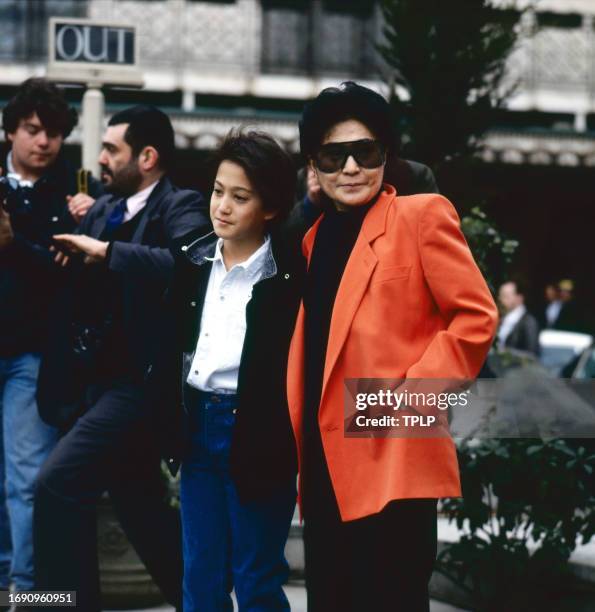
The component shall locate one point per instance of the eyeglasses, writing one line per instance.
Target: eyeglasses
(333, 156)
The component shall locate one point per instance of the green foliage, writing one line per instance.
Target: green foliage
(492, 250)
(450, 58)
(526, 504)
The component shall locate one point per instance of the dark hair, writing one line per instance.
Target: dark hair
(349, 101)
(148, 127)
(46, 100)
(520, 286)
(269, 168)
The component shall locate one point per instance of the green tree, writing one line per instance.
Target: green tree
(450, 58)
(525, 502)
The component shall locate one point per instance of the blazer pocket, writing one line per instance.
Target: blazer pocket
(387, 273)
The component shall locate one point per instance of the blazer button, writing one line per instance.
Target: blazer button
(286, 276)
(149, 369)
(184, 248)
(234, 410)
(171, 461)
(193, 304)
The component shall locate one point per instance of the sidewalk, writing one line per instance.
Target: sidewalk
(296, 593)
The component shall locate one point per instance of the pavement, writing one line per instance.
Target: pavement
(296, 593)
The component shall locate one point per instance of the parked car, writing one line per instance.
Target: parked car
(584, 367)
(561, 350)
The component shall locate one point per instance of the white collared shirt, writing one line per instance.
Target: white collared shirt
(552, 312)
(12, 173)
(509, 322)
(135, 203)
(216, 361)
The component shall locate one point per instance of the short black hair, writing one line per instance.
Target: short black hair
(42, 97)
(267, 165)
(349, 101)
(148, 127)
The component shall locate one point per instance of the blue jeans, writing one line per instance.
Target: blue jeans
(24, 446)
(226, 543)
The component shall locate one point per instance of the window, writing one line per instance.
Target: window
(320, 37)
(24, 26)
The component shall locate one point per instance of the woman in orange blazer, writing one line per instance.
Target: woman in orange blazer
(392, 291)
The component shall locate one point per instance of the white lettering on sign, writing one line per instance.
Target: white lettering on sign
(88, 54)
(90, 43)
(79, 46)
(121, 46)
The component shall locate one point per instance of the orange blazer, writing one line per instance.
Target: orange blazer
(412, 303)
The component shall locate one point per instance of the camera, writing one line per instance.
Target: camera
(15, 199)
(11, 196)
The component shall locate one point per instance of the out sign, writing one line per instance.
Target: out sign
(95, 44)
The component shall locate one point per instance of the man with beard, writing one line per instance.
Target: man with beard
(92, 379)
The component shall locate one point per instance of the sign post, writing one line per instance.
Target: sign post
(95, 54)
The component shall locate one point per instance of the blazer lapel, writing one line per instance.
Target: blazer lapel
(161, 189)
(100, 221)
(354, 282)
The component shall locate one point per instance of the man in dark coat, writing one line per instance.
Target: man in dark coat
(518, 328)
(42, 199)
(107, 338)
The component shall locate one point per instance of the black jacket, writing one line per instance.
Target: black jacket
(142, 269)
(524, 335)
(263, 454)
(28, 276)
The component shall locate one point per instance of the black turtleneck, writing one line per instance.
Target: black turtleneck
(334, 242)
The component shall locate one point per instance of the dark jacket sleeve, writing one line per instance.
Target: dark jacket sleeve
(532, 334)
(164, 381)
(28, 253)
(184, 214)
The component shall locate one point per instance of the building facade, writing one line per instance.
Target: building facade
(214, 64)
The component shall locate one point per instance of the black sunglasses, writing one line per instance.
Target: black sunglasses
(333, 156)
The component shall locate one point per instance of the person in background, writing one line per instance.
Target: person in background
(391, 292)
(92, 379)
(518, 328)
(42, 199)
(569, 317)
(551, 307)
(230, 314)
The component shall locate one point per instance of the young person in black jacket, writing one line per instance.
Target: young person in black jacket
(220, 383)
(42, 200)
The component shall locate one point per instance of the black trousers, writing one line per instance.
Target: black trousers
(379, 563)
(111, 447)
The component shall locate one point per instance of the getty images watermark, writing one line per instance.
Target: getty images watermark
(513, 407)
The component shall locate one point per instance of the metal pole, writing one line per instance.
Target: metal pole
(93, 112)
